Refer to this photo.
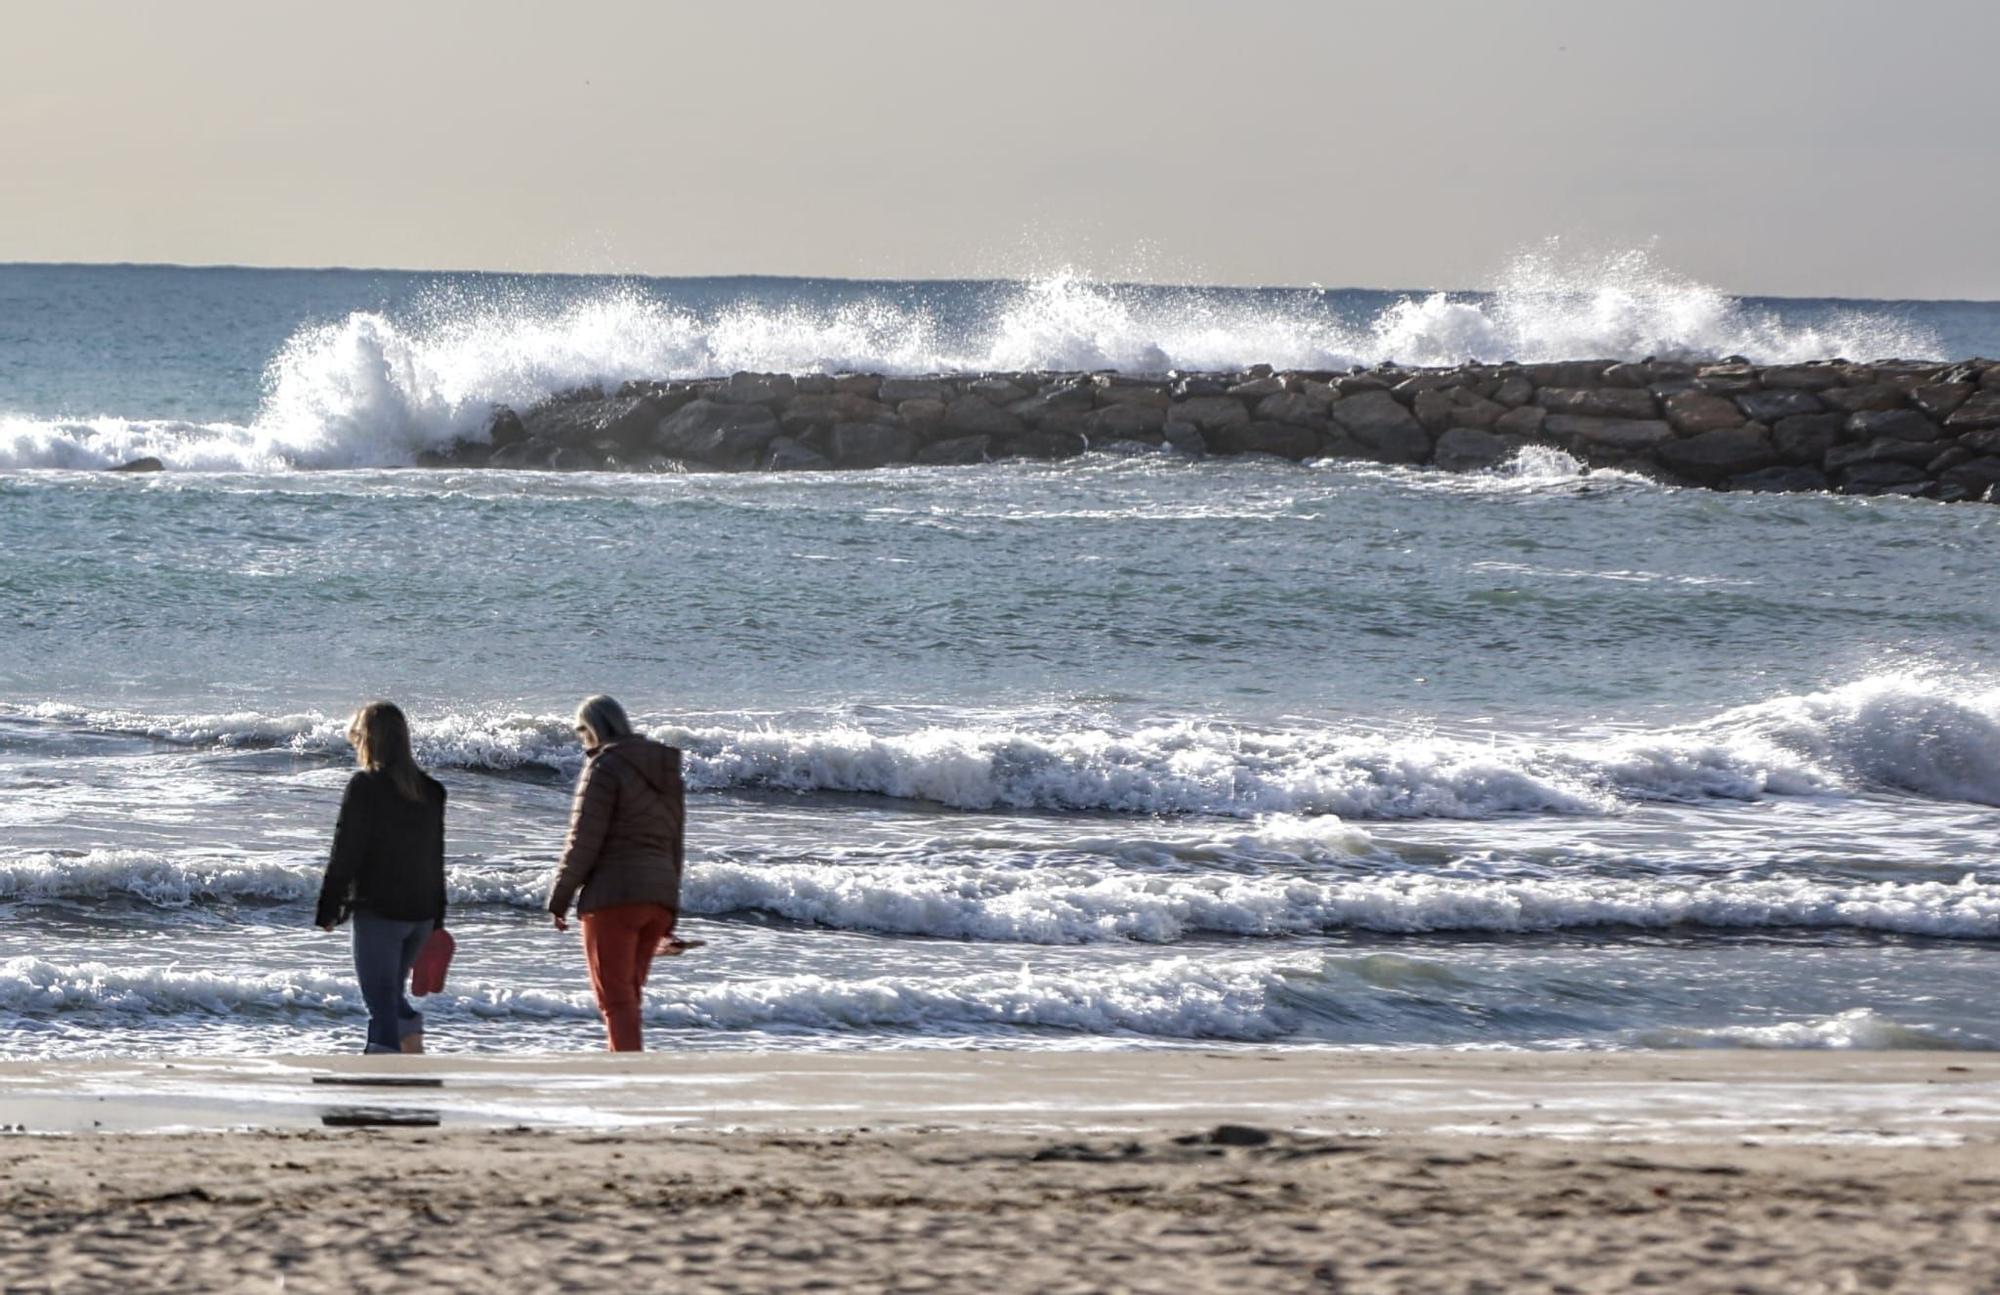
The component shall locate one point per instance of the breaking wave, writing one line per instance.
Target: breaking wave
(1072, 904)
(1927, 735)
(375, 389)
(1176, 998)
(1254, 1000)
(1860, 1030)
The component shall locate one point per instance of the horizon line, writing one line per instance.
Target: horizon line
(862, 279)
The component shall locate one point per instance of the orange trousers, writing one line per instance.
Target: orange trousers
(620, 942)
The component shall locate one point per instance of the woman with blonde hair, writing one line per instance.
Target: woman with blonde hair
(622, 862)
(387, 871)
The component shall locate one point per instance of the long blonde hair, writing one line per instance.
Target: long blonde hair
(381, 737)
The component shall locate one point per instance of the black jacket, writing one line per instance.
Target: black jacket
(388, 853)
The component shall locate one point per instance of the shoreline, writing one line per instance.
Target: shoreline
(931, 1175)
(1936, 1098)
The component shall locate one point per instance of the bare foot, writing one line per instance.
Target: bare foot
(413, 1043)
(673, 946)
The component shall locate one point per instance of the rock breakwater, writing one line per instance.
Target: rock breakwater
(1898, 427)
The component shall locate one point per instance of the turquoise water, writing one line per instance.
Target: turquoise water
(1114, 752)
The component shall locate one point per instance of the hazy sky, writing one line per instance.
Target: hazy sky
(1833, 147)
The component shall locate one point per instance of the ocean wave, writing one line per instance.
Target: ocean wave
(1928, 734)
(372, 390)
(1257, 1000)
(1174, 998)
(1859, 1030)
(1078, 904)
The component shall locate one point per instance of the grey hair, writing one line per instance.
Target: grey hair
(605, 718)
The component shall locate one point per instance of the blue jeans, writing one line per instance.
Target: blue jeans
(384, 950)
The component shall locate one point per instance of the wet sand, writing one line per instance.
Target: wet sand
(1874, 1172)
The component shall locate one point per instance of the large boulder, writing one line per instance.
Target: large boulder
(1470, 409)
(1805, 438)
(1567, 373)
(1285, 440)
(1380, 425)
(1468, 449)
(1726, 452)
(532, 453)
(620, 425)
(801, 412)
(145, 463)
(1128, 422)
(1903, 424)
(1039, 443)
(1803, 377)
(1211, 413)
(755, 389)
(1292, 407)
(977, 416)
(722, 435)
(1979, 413)
(872, 445)
(1770, 405)
(1727, 379)
(505, 428)
(999, 390)
(1868, 396)
(957, 451)
(868, 385)
(1883, 479)
(1432, 410)
(1523, 421)
(922, 416)
(1608, 433)
(1693, 412)
(1783, 479)
(1942, 399)
(1114, 390)
(896, 390)
(1066, 399)
(1603, 402)
(788, 455)
(1185, 437)
(1514, 389)
(1886, 449)
(1973, 479)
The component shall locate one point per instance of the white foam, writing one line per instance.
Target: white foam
(372, 390)
(1082, 903)
(1062, 906)
(1932, 734)
(1859, 1030)
(167, 880)
(1169, 998)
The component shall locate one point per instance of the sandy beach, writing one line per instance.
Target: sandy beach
(959, 1171)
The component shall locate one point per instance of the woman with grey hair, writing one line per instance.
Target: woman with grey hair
(622, 862)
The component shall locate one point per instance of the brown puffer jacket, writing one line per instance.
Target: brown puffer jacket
(625, 830)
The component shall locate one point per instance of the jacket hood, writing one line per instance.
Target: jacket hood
(653, 761)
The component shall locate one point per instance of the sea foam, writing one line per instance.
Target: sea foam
(1082, 904)
(1253, 1000)
(376, 389)
(1170, 998)
(1928, 734)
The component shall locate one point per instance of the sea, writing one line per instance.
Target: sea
(1131, 751)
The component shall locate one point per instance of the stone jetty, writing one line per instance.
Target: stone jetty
(1896, 427)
